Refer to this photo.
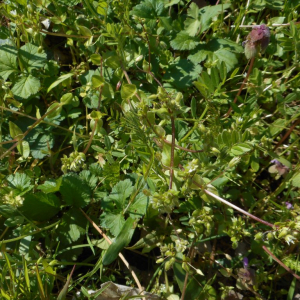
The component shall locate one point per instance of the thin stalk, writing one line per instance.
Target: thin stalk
(195, 125)
(120, 254)
(242, 86)
(237, 208)
(28, 130)
(91, 137)
(153, 129)
(29, 234)
(172, 153)
(281, 263)
(287, 134)
(45, 122)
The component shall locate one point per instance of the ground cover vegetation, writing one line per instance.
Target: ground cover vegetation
(152, 144)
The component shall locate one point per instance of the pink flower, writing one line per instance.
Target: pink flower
(289, 205)
(257, 40)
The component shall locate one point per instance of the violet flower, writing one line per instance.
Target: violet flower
(278, 167)
(289, 205)
(257, 40)
(245, 262)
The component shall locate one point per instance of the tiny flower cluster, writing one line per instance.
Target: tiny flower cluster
(75, 162)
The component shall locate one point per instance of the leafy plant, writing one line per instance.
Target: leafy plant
(130, 131)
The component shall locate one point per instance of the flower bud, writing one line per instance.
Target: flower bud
(234, 162)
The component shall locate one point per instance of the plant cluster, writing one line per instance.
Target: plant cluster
(163, 134)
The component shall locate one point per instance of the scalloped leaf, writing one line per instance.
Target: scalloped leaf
(26, 86)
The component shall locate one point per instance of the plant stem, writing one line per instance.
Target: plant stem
(280, 262)
(120, 254)
(237, 208)
(28, 130)
(91, 137)
(242, 86)
(287, 134)
(172, 153)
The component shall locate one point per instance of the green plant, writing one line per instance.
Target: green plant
(129, 131)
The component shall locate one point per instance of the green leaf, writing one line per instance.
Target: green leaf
(96, 59)
(277, 126)
(97, 81)
(113, 222)
(70, 3)
(26, 86)
(148, 242)
(291, 292)
(222, 50)
(226, 56)
(20, 181)
(8, 211)
(198, 57)
(121, 241)
(149, 9)
(139, 206)
(15, 221)
(15, 131)
(192, 24)
(111, 172)
(113, 62)
(55, 109)
(40, 143)
(60, 79)
(184, 42)
(240, 149)
(102, 8)
(31, 58)
(66, 98)
(75, 191)
(84, 31)
(50, 186)
(128, 91)
(24, 149)
(22, 2)
(40, 206)
(120, 192)
(182, 73)
(172, 2)
(296, 180)
(8, 61)
(200, 20)
(73, 226)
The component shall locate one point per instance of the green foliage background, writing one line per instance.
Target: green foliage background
(116, 109)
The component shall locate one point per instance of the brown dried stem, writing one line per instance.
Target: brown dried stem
(120, 254)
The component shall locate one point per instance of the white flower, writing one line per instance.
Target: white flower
(13, 12)
(46, 23)
(290, 239)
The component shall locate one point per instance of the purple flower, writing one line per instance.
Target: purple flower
(257, 39)
(245, 262)
(278, 167)
(276, 162)
(289, 205)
